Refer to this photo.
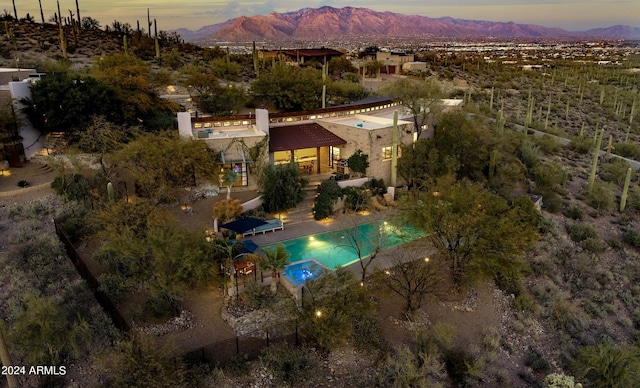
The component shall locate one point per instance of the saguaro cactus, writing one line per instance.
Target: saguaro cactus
(594, 166)
(609, 148)
(625, 190)
(155, 30)
(111, 193)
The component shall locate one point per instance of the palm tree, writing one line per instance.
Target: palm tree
(275, 261)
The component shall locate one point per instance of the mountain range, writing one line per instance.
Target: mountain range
(329, 22)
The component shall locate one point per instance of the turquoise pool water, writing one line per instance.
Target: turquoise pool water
(333, 249)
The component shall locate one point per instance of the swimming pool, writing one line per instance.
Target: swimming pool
(335, 249)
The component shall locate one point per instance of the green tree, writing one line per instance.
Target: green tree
(164, 164)
(475, 231)
(338, 66)
(275, 259)
(203, 83)
(358, 162)
(332, 305)
(66, 103)
(419, 97)
(344, 92)
(226, 102)
(132, 83)
(228, 179)
(282, 187)
(290, 89)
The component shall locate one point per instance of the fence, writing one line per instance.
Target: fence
(83, 270)
(218, 353)
(249, 345)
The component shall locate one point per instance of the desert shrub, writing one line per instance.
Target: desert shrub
(551, 201)
(367, 334)
(524, 302)
(548, 144)
(239, 365)
(606, 365)
(72, 187)
(628, 150)
(594, 245)
(23, 183)
(358, 162)
(76, 223)
(289, 363)
(491, 339)
(614, 171)
(536, 361)
(160, 305)
(601, 196)
(116, 287)
(406, 369)
(633, 199)
(548, 176)
(458, 364)
(376, 186)
(574, 212)
(581, 145)
(631, 237)
(355, 198)
(530, 154)
(257, 296)
(580, 232)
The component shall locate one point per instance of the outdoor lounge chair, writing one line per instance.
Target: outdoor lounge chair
(271, 225)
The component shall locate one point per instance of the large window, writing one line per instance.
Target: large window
(240, 169)
(386, 152)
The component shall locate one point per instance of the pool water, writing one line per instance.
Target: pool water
(336, 248)
(299, 272)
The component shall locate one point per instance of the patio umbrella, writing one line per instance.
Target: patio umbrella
(244, 224)
(248, 246)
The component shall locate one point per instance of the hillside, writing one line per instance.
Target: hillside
(34, 44)
(330, 22)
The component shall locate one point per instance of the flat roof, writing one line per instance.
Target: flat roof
(368, 122)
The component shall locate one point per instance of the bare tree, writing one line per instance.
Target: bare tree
(414, 277)
(366, 241)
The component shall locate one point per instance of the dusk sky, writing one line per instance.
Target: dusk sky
(193, 14)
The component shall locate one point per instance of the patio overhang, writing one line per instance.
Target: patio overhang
(296, 137)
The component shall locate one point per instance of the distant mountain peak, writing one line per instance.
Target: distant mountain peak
(328, 22)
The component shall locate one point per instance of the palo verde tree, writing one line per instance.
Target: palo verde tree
(289, 88)
(331, 307)
(475, 231)
(161, 166)
(282, 187)
(419, 97)
(133, 86)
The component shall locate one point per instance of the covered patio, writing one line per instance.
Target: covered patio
(315, 149)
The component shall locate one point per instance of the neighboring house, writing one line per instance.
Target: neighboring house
(319, 141)
(18, 147)
(393, 61)
(299, 56)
